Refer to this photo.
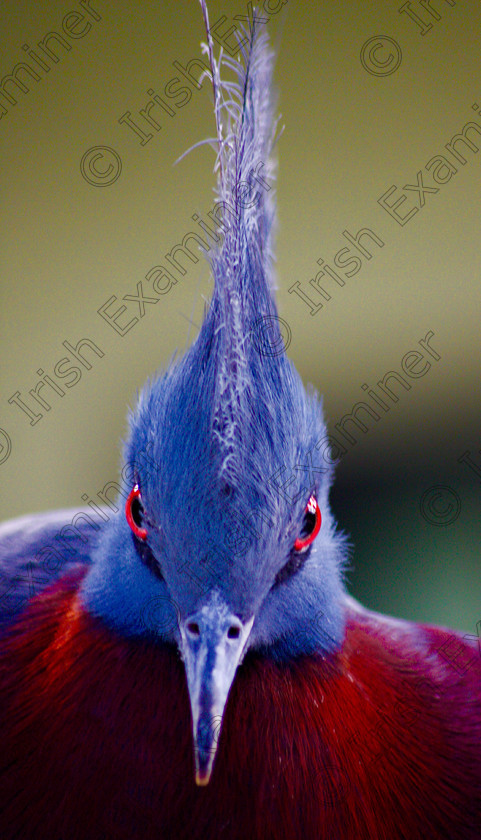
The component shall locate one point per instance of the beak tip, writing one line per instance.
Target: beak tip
(202, 778)
(204, 764)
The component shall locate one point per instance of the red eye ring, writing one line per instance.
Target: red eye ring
(313, 508)
(140, 533)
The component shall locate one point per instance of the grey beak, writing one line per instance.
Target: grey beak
(213, 642)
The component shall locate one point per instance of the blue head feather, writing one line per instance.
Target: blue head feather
(223, 445)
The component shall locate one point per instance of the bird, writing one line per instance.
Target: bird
(193, 667)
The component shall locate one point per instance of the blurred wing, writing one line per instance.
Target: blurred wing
(38, 549)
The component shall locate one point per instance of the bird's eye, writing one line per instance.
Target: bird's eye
(134, 513)
(311, 526)
(310, 530)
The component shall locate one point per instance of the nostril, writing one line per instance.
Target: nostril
(193, 628)
(233, 632)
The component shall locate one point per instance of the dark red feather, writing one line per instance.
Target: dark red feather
(378, 741)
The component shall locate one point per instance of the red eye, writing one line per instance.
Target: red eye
(311, 527)
(134, 511)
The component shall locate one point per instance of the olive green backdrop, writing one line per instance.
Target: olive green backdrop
(372, 97)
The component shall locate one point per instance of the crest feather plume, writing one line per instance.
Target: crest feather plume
(243, 305)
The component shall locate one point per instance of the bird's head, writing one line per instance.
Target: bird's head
(228, 515)
(226, 543)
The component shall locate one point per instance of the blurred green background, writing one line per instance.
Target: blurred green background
(353, 129)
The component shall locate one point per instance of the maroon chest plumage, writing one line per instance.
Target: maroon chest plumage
(377, 742)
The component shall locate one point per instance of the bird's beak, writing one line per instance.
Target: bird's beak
(213, 641)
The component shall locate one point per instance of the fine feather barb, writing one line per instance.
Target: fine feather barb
(241, 261)
(243, 108)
